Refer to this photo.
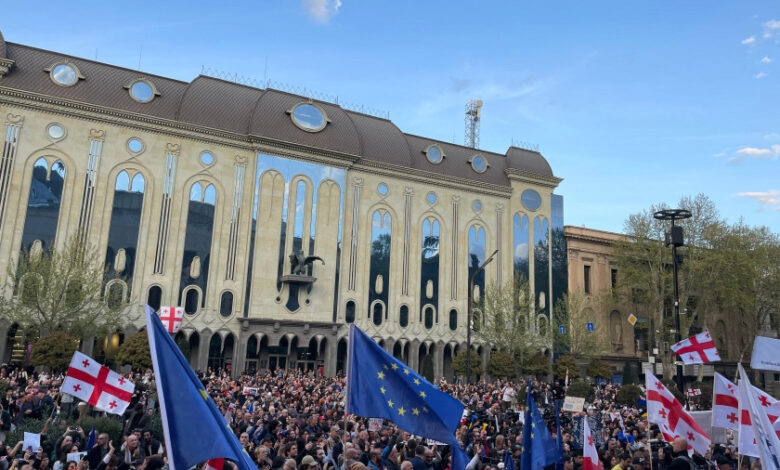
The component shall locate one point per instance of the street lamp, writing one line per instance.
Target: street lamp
(674, 237)
(469, 313)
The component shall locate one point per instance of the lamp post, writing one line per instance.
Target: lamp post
(469, 314)
(674, 237)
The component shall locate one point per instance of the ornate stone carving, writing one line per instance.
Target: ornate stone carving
(14, 119)
(500, 207)
(408, 191)
(5, 66)
(240, 160)
(173, 149)
(357, 181)
(97, 134)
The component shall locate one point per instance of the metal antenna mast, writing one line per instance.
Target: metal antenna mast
(473, 116)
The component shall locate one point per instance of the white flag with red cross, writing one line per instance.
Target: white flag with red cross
(725, 404)
(590, 456)
(747, 438)
(664, 410)
(215, 464)
(171, 318)
(97, 385)
(765, 438)
(697, 349)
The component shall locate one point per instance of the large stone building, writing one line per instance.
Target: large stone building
(197, 193)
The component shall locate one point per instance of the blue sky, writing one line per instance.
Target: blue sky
(631, 102)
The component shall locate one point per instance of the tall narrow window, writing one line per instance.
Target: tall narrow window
(520, 235)
(428, 317)
(125, 224)
(613, 278)
(43, 204)
(429, 265)
(154, 297)
(586, 279)
(403, 316)
(476, 258)
(542, 264)
(453, 319)
(379, 272)
(349, 312)
(197, 240)
(377, 314)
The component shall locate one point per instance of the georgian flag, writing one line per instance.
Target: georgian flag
(171, 318)
(664, 410)
(697, 349)
(765, 436)
(96, 384)
(725, 404)
(747, 437)
(215, 464)
(590, 455)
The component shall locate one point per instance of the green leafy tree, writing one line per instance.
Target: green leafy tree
(502, 364)
(537, 365)
(459, 363)
(628, 395)
(629, 374)
(505, 322)
(60, 289)
(571, 312)
(135, 352)
(581, 389)
(54, 350)
(566, 363)
(599, 368)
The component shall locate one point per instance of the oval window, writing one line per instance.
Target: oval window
(429, 317)
(226, 304)
(403, 316)
(434, 154)
(432, 198)
(309, 117)
(135, 145)
(64, 75)
(154, 297)
(207, 158)
(191, 301)
(142, 91)
(479, 164)
(476, 205)
(377, 314)
(453, 320)
(382, 189)
(531, 199)
(55, 131)
(350, 312)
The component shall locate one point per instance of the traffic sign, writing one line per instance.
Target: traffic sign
(562, 329)
(590, 327)
(632, 319)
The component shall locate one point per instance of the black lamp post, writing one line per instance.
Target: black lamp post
(469, 314)
(674, 237)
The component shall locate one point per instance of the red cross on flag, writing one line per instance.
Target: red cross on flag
(590, 456)
(697, 349)
(747, 437)
(673, 421)
(97, 385)
(725, 404)
(171, 318)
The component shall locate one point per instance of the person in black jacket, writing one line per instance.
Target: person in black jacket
(96, 453)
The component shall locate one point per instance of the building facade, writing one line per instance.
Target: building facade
(217, 197)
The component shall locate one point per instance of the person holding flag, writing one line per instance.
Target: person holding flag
(539, 448)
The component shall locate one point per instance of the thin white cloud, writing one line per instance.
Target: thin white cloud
(757, 153)
(767, 60)
(749, 40)
(770, 199)
(760, 75)
(322, 10)
(772, 25)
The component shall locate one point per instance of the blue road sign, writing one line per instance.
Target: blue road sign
(590, 327)
(562, 329)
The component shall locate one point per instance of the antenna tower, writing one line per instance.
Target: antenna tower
(473, 116)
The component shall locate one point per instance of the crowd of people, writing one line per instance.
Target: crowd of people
(297, 421)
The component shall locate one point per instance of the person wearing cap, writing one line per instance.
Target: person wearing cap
(639, 463)
(308, 463)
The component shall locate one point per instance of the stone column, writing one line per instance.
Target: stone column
(239, 353)
(331, 351)
(203, 351)
(414, 355)
(438, 361)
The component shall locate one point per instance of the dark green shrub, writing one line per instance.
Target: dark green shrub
(581, 389)
(628, 395)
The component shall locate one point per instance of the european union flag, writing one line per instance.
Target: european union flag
(539, 449)
(381, 386)
(509, 462)
(194, 429)
(92, 439)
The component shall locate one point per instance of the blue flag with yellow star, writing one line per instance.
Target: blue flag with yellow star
(381, 386)
(539, 447)
(194, 428)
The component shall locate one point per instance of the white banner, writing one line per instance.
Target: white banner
(766, 354)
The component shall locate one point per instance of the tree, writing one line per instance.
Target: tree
(628, 395)
(54, 350)
(60, 289)
(731, 269)
(599, 368)
(581, 389)
(135, 352)
(459, 363)
(506, 322)
(564, 364)
(570, 311)
(537, 365)
(502, 364)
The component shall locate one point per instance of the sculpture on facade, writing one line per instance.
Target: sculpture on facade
(299, 263)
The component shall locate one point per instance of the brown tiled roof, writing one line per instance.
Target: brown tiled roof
(254, 112)
(2, 46)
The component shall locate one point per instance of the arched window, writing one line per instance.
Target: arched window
(429, 262)
(403, 316)
(115, 294)
(197, 240)
(43, 204)
(379, 271)
(226, 304)
(125, 224)
(476, 256)
(520, 236)
(616, 330)
(453, 319)
(349, 312)
(428, 317)
(191, 301)
(378, 313)
(542, 264)
(154, 297)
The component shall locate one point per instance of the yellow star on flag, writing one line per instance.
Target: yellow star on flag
(406, 371)
(380, 374)
(382, 389)
(533, 425)
(204, 394)
(425, 409)
(390, 403)
(384, 366)
(401, 411)
(415, 411)
(417, 381)
(422, 394)
(394, 366)
(532, 435)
